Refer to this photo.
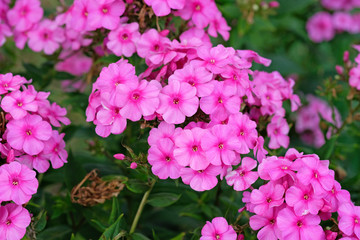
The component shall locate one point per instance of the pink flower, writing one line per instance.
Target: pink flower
(54, 114)
(317, 173)
(220, 145)
(18, 103)
(177, 100)
(243, 177)
(76, 64)
(304, 200)
(14, 220)
(46, 36)
(162, 160)
(259, 150)
(122, 40)
(163, 7)
(188, 150)
(115, 74)
(199, 11)
(354, 80)
(268, 224)
(5, 31)
(278, 130)
(342, 21)
(163, 131)
(299, 227)
(198, 77)
(320, 27)
(218, 228)
(253, 56)
(28, 134)
(8, 82)
(17, 183)
(214, 59)
(154, 47)
(349, 222)
(55, 150)
(39, 162)
(142, 99)
(245, 129)
(79, 15)
(25, 14)
(273, 168)
(119, 156)
(267, 196)
(105, 13)
(201, 180)
(133, 165)
(219, 25)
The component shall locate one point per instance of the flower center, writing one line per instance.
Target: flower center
(176, 101)
(125, 36)
(269, 200)
(299, 224)
(135, 96)
(217, 236)
(242, 133)
(220, 100)
(15, 182)
(195, 148)
(284, 167)
(356, 221)
(28, 132)
(316, 175)
(8, 222)
(306, 197)
(272, 221)
(197, 7)
(19, 104)
(156, 47)
(212, 61)
(105, 10)
(5, 85)
(200, 171)
(241, 173)
(221, 146)
(168, 159)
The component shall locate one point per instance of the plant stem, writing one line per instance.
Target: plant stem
(141, 207)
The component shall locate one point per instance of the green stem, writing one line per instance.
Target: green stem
(141, 207)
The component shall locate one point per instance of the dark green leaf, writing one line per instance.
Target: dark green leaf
(163, 199)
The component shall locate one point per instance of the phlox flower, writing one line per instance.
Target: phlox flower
(115, 74)
(123, 39)
(220, 145)
(154, 47)
(54, 114)
(253, 56)
(303, 200)
(5, 31)
(28, 134)
(163, 7)
(218, 228)
(273, 168)
(9, 82)
(243, 177)
(215, 58)
(161, 158)
(299, 227)
(354, 80)
(25, 14)
(219, 25)
(198, 77)
(142, 99)
(105, 13)
(177, 100)
(79, 15)
(17, 103)
(267, 196)
(336, 196)
(320, 27)
(76, 64)
(163, 131)
(14, 220)
(17, 183)
(201, 180)
(315, 172)
(39, 162)
(268, 224)
(55, 150)
(259, 150)
(245, 129)
(278, 130)
(349, 222)
(188, 150)
(199, 11)
(47, 36)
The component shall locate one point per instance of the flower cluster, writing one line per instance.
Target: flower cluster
(354, 72)
(28, 141)
(309, 118)
(323, 26)
(203, 90)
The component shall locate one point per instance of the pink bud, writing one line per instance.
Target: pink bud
(274, 4)
(10, 157)
(133, 165)
(339, 70)
(346, 56)
(164, 32)
(240, 237)
(119, 156)
(330, 235)
(241, 209)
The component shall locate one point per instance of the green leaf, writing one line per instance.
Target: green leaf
(77, 237)
(108, 59)
(115, 210)
(179, 237)
(40, 221)
(98, 225)
(327, 150)
(139, 236)
(53, 233)
(136, 186)
(163, 199)
(113, 231)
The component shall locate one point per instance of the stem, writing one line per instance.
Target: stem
(141, 207)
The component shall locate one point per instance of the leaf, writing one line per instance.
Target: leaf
(327, 150)
(179, 237)
(136, 186)
(163, 199)
(108, 59)
(98, 225)
(77, 237)
(40, 221)
(53, 233)
(115, 210)
(139, 236)
(112, 231)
